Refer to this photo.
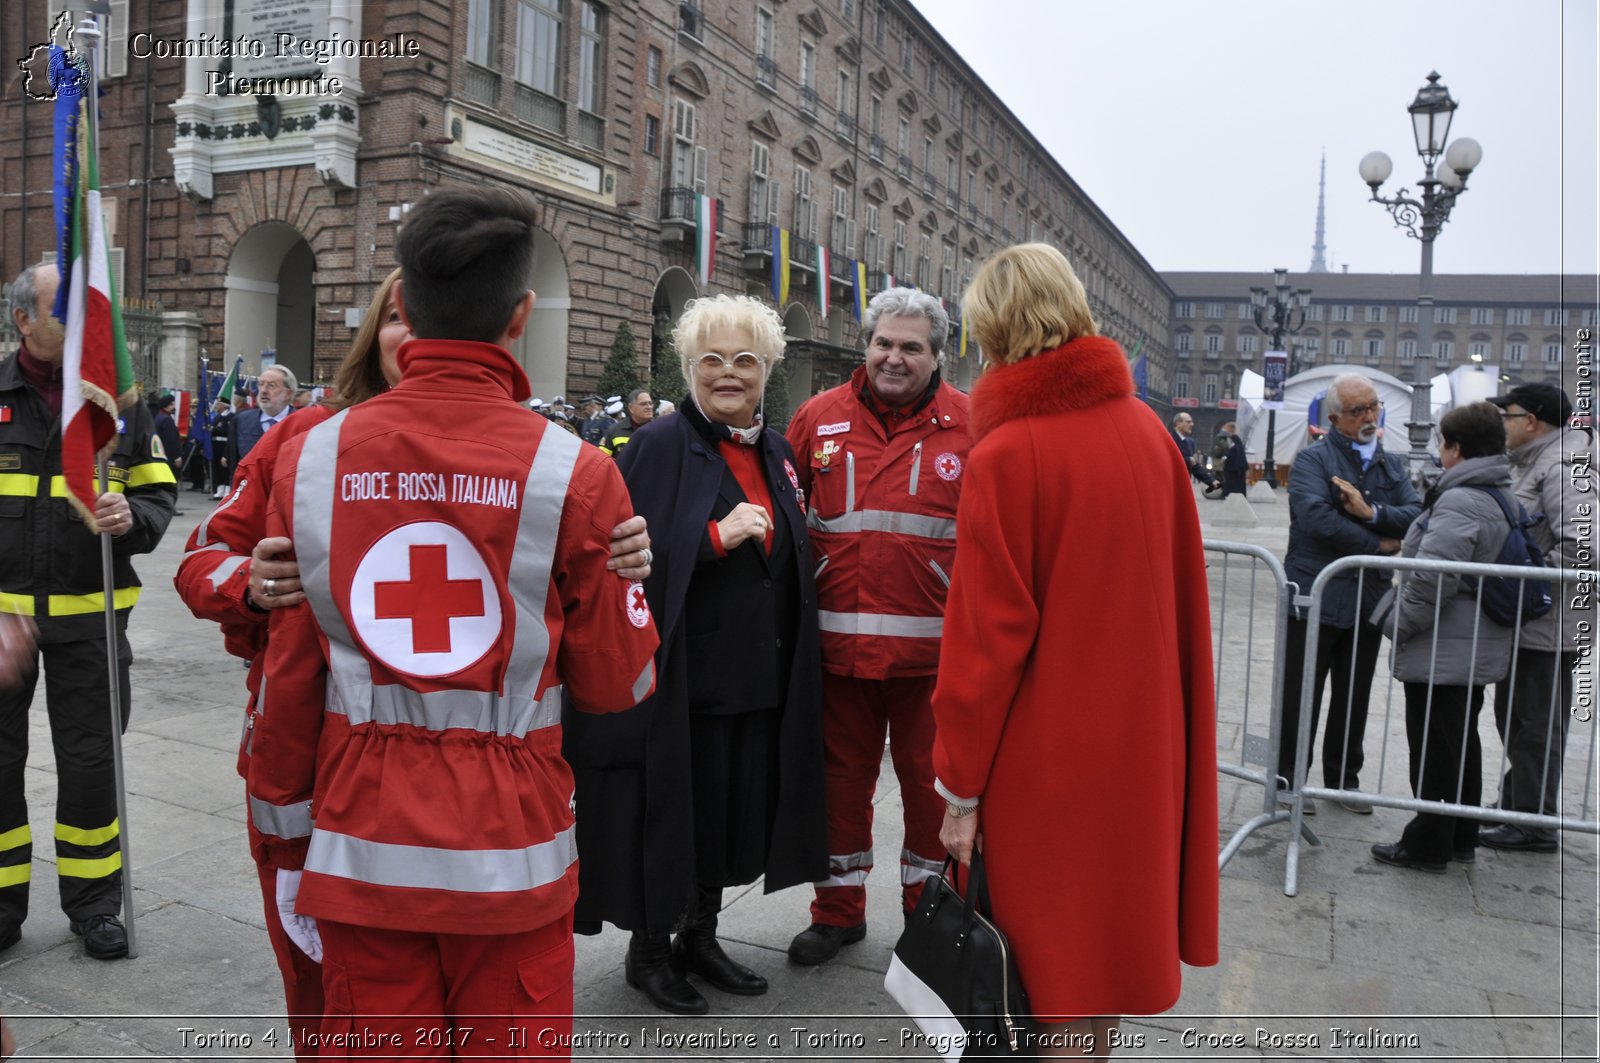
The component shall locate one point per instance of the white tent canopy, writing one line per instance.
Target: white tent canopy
(1302, 389)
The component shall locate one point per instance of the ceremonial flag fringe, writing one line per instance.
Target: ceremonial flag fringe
(705, 237)
(824, 277)
(780, 265)
(96, 374)
(858, 276)
(963, 352)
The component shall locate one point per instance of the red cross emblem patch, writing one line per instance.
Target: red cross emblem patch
(638, 607)
(947, 465)
(424, 601)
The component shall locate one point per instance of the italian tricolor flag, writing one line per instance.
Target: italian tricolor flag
(824, 277)
(705, 251)
(97, 375)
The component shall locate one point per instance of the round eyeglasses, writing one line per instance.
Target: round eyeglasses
(744, 363)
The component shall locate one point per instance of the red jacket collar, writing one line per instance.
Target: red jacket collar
(942, 413)
(461, 364)
(1075, 376)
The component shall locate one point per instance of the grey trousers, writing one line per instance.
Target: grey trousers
(1531, 714)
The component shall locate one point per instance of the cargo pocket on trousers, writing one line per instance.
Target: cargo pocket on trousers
(544, 990)
(338, 1021)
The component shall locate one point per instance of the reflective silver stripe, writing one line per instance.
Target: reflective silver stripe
(285, 821)
(455, 870)
(440, 710)
(937, 571)
(820, 567)
(544, 496)
(233, 496)
(885, 520)
(214, 547)
(848, 869)
(349, 675)
(849, 481)
(641, 686)
(904, 627)
(915, 869)
(916, 466)
(220, 574)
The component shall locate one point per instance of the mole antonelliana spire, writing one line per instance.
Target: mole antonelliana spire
(1319, 263)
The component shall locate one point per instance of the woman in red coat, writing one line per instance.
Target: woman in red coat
(1074, 706)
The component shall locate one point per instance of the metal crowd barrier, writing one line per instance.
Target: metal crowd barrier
(1563, 582)
(1244, 698)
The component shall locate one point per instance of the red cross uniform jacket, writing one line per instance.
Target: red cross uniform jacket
(214, 574)
(407, 750)
(882, 513)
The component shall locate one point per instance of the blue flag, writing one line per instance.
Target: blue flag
(200, 429)
(68, 82)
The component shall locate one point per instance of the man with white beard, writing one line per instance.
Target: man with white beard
(1346, 497)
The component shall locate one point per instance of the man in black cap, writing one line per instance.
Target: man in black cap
(1550, 474)
(592, 420)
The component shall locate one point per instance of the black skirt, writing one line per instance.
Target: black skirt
(734, 758)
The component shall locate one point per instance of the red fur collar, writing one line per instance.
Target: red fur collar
(1082, 373)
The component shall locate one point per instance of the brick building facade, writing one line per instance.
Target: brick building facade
(268, 222)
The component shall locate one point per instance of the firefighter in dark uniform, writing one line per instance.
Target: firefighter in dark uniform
(639, 411)
(50, 571)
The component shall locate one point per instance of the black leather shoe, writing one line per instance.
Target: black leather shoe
(699, 954)
(104, 937)
(650, 969)
(9, 936)
(1514, 839)
(1398, 855)
(819, 943)
(1465, 854)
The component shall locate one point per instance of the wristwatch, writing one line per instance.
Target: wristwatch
(959, 810)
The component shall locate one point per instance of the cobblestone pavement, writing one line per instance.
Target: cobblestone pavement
(1493, 961)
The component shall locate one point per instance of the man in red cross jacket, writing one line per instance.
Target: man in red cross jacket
(881, 460)
(407, 773)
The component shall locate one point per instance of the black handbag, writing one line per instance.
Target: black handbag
(954, 974)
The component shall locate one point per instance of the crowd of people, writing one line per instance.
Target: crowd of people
(1516, 454)
(530, 675)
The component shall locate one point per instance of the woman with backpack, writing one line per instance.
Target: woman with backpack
(1444, 666)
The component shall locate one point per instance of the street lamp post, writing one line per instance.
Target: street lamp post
(1280, 312)
(1422, 219)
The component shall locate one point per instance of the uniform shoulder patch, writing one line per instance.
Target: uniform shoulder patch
(638, 607)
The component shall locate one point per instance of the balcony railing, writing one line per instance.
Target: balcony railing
(802, 253)
(678, 204)
(808, 100)
(903, 167)
(952, 198)
(766, 72)
(839, 262)
(483, 85)
(591, 130)
(930, 185)
(875, 148)
(535, 107)
(757, 237)
(877, 280)
(844, 125)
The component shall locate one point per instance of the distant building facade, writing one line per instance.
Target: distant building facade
(1522, 327)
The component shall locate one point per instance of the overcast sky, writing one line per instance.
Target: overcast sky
(1197, 125)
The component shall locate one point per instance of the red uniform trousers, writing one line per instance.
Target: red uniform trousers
(400, 994)
(856, 715)
(302, 976)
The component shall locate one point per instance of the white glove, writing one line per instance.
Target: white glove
(302, 929)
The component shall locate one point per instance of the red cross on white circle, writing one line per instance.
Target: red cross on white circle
(423, 600)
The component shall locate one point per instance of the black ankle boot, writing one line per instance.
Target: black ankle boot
(650, 968)
(700, 954)
(697, 951)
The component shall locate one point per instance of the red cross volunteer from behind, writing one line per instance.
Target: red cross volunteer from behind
(407, 772)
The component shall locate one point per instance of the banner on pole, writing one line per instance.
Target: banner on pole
(1275, 371)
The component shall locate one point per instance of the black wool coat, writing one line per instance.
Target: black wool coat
(635, 820)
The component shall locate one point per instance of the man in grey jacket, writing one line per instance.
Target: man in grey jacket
(1346, 497)
(1551, 475)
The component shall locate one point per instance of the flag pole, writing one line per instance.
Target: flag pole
(89, 33)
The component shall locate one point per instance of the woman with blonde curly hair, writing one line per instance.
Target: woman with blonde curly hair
(717, 779)
(1076, 663)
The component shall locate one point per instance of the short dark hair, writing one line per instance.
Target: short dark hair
(1475, 429)
(465, 257)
